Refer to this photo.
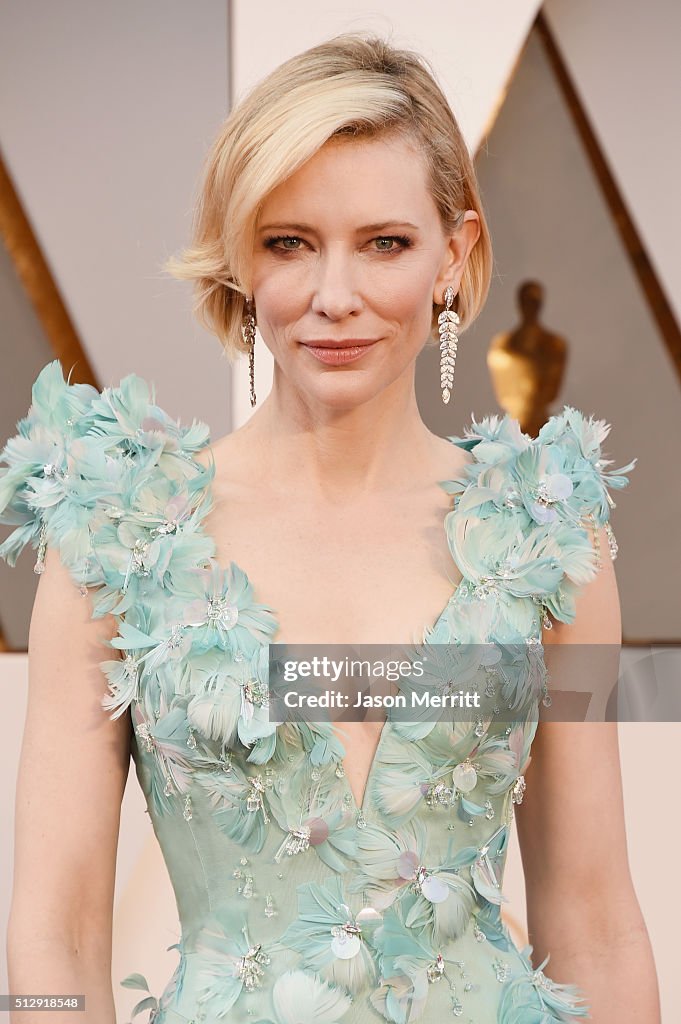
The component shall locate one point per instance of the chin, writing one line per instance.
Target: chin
(344, 394)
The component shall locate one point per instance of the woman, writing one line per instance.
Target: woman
(323, 874)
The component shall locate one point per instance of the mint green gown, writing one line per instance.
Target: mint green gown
(295, 905)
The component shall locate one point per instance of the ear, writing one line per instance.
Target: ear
(459, 246)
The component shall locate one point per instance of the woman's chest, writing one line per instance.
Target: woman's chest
(380, 572)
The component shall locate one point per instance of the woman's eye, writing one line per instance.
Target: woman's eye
(402, 240)
(385, 243)
(271, 243)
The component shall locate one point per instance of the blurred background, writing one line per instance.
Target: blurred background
(570, 109)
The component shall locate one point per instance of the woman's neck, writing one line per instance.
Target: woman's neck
(341, 453)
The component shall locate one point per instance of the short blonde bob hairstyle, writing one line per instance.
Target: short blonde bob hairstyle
(356, 85)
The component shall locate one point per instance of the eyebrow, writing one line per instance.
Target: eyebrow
(381, 226)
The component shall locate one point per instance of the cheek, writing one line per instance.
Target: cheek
(406, 302)
(279, 302)
(398, 295)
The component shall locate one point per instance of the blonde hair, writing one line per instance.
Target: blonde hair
(354, 85)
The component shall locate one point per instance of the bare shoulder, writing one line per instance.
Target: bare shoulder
(238, 463)
(454, 458)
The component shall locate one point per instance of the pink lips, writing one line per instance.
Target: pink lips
(337, 354)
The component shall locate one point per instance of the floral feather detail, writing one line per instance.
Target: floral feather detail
(171, 993)
(400, 789)
(329, 938)
(582, 438)
(299, 997)
(240, 804)
(394, 867)
(231, 705)
(169, 642)
(483, 862)
(229, 962)
(148, 535)
(150, 1002)
(533, 997)
(450, 743)
(440, 665)
(311, 817)
(59, 464)
(517, 531)
(319, 739)
(223, 614)
(490, 925)
(522, 674)
(493, 765)
(174, 762)
(410, 962)
(123, 684)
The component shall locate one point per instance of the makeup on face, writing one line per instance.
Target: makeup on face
(333, 283)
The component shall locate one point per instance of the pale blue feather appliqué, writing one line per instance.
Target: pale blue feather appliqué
(300, 997)
(328, 937)
(531, 996)
(229, 960)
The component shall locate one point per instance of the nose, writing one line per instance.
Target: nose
(334, 291)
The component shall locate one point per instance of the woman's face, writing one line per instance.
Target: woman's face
(351, 248)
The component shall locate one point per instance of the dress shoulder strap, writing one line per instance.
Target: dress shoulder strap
(98, 475)
(526, 510)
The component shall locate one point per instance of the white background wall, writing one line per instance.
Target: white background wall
(623, 57)
(106, 111)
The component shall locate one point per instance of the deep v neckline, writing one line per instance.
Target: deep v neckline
(204, 507)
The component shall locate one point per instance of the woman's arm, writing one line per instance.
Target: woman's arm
(581, 903)
(72, 774)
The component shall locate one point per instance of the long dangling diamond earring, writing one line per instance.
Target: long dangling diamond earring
(448, 321)
(248, 334)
